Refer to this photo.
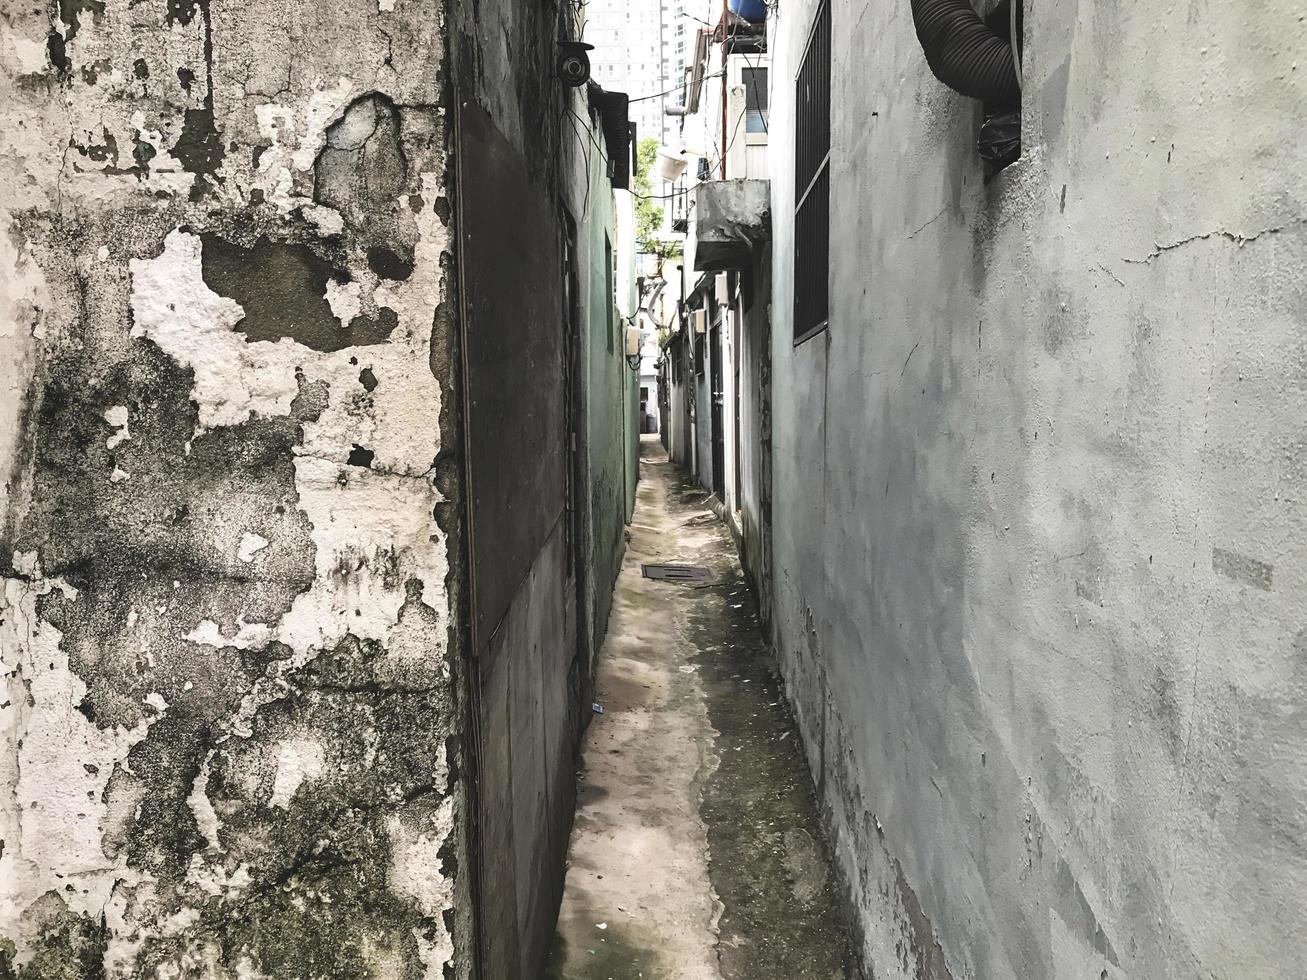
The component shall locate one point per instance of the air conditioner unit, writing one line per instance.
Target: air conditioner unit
(632, 341)
(700, 321)
(723, 289)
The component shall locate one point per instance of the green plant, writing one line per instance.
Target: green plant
(648, 214)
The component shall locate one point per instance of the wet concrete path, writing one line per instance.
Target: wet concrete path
(697, 851)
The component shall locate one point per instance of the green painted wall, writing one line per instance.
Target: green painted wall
(607, 427)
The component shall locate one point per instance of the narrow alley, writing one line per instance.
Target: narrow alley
(697, 850)
(609, 490)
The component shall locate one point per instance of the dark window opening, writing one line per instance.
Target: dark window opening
(812, 181)
(755, 100)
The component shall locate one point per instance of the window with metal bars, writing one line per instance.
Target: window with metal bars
(812, 181)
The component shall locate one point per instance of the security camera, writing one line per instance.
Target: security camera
(573, 65)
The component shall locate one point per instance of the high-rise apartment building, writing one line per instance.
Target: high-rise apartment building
(628, 56)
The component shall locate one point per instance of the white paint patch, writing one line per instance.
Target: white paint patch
(118, 475)
(385, 6)
(296, 134)
(206, 818)
(174, 307)
(117, 416)
(251, 545)
(30, 56)
(56, 761)
(26, 563)
(248, 636)
(298, 760)
(23, 294)
(417, 873)
(345, 299)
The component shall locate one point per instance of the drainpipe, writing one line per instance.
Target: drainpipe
(725, 72)
(965, 53)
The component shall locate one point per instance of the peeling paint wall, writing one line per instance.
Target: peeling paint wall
(1040, 571)
(229, 729)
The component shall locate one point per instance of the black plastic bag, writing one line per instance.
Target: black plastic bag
(1000, 137)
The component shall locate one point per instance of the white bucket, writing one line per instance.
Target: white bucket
(669, 166)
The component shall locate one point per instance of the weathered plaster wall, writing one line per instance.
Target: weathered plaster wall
(534, 665)
(1041, 574)
(675, 423)
(702, 379)
(628, 302)
(230, 724)
(606, 464)
(753, 307)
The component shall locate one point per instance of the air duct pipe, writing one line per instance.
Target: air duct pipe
(965, 53)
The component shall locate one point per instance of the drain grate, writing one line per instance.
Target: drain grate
(676, 573)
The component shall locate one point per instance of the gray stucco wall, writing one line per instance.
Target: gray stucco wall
(755, 488)
(701, 378)
(1041, 572)
(227, 727)
(675, 424)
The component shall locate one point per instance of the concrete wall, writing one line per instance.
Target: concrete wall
(607, 404)
(628, 304)
(534, 662)
(1040, 577)
(754, 495)
(226, 517)
(701, 374)
(675, 425)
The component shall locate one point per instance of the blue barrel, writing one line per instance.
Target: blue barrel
(754, 11)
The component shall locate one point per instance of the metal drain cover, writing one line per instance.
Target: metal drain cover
(676, 573)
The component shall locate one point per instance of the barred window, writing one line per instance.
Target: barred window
(812, 181)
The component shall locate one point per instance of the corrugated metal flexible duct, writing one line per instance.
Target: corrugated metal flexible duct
(965, 53)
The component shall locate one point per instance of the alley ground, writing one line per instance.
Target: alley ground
(697, 850)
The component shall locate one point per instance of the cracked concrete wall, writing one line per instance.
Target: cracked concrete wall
(1040, 578)
(230, 724)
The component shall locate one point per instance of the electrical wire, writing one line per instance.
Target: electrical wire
(734, 135)
(678, 88)
(658, 197)
(585, 151)
(755, 66)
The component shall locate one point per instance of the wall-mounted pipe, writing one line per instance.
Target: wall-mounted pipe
(965, 53)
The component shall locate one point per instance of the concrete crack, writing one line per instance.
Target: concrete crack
(1234, 237)
(938, 215)
(385, 471)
